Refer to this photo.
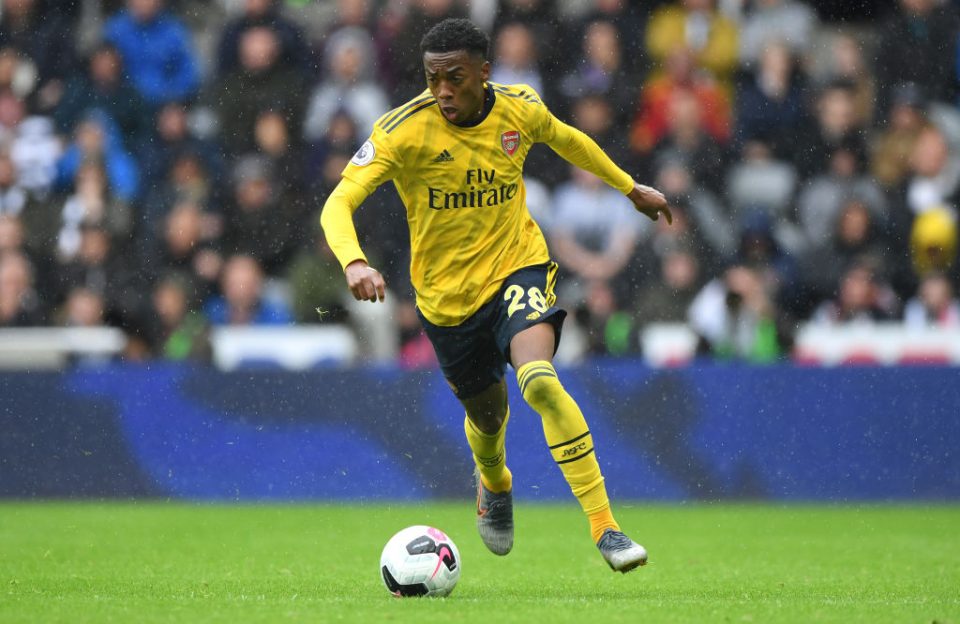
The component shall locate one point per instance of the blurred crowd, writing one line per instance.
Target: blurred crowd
(163, 164)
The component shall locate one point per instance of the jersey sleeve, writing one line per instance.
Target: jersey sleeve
(577, 148)
(336, 219)
(374, 163)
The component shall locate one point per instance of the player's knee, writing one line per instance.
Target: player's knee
(488, 423)
(543, 393)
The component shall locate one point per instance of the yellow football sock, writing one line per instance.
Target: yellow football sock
(489, 455)
(600, 521)
(569, 440)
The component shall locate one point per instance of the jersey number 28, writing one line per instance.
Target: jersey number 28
(534, 296)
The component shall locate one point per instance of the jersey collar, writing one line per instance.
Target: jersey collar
(489, 97)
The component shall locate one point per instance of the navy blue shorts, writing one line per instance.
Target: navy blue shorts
(474, 355)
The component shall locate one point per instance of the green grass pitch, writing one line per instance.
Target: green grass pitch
(162, 562)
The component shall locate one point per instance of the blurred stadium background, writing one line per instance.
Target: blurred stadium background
(172, 323)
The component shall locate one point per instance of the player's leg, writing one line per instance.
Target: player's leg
(473, 366)
(485, 426)
(570, 442)
(564, 426)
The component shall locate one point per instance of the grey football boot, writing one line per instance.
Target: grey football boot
(621, 553)
(494, 517)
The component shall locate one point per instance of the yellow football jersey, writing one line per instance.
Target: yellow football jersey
(464, 195)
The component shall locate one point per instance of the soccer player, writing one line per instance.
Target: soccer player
(480, 266)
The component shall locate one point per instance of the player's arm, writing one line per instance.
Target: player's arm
(577, 148)
(372, 165)
(336, 219)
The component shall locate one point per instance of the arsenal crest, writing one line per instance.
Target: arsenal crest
(510, 141)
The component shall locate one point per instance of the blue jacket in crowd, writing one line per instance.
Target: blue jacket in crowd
(122, 171)
(268, 312)
(157, 55)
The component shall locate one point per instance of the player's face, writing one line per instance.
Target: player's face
(456, 79)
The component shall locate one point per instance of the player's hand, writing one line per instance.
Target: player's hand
(650, 202)
(365, 282)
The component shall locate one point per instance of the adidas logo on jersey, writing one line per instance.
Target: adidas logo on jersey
(444, 156)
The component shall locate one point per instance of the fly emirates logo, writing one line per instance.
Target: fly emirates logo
(479, 190)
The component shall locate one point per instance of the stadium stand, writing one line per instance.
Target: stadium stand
(815, 176)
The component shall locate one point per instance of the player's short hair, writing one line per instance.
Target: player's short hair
(452, 35)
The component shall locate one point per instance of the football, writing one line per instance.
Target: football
(420, 561)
